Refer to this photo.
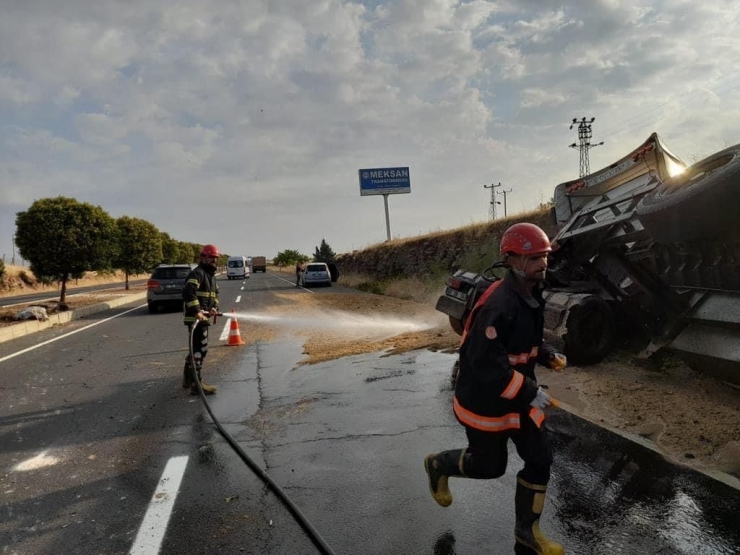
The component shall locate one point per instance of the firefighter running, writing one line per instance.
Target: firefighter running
(200, 301)
(496, 394)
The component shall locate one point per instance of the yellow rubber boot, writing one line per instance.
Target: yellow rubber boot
(207, 389)
(439, 468)
(529, 501)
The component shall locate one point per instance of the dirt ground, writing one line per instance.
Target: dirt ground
(693, 419)
(19, 281)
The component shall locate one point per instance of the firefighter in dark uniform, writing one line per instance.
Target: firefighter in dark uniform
(496, 394)
(200, 302)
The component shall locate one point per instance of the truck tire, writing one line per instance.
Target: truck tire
(590, 331)
(696, 203)
(456, 325)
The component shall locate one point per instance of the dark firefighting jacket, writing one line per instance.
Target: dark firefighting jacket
(501, 344)
(200, 292)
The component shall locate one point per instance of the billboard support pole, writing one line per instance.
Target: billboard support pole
(384, 181)
(387, 217)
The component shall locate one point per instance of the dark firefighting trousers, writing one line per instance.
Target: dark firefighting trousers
(487, 452)
(200, 344)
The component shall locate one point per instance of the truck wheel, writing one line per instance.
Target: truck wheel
(696, 203)
(456, 325)
(591, 331)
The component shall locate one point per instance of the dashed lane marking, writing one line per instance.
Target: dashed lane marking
(152, 529)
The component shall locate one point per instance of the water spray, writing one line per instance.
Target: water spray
(338, 320)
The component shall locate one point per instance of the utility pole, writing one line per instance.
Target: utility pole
(493, 198)
(584, 140)
(504, 193)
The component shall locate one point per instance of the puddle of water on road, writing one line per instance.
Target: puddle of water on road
(337, 320)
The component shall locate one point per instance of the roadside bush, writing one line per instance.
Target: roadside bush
(377, 287)
(26, 279)
(413, 288)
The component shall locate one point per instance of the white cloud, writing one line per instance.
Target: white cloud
(268, 108)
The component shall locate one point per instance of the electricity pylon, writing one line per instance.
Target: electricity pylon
(584, 140)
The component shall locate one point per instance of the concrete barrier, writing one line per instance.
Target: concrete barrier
(14, 331)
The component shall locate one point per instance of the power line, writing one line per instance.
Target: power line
(649, 115)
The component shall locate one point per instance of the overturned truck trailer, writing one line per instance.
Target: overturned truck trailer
(645, 244)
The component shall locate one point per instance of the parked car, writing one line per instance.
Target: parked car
(237, 267)
(165, 285)
(316, 273)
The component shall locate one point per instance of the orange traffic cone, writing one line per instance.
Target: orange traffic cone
(235, 338)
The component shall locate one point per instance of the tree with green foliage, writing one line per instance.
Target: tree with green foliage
(139, 246)
(194, 255)
(184, 254)
(63, 238)
(288, 257)
(324, 253)
(170, 248)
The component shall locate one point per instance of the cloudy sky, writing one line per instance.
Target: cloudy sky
(243, 122)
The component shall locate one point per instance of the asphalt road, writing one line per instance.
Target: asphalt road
(102, 452)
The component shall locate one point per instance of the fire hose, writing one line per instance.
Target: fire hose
(313, 534)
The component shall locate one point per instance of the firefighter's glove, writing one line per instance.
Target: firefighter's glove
(202, 317)
(542, 400)
(557, 362)
(213, 312)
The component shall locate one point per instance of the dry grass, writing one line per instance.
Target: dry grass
(474, 229)
(19, 280)
(73, 302)
(421, 290)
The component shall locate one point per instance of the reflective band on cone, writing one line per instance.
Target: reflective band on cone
(235, 338)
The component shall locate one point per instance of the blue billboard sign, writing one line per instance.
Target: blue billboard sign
(384, 181)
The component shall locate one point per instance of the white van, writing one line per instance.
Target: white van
(237, 267)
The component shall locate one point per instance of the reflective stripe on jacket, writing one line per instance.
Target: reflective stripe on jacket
(200, 293)
(501, 344)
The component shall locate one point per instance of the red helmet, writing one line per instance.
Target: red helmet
(210, 250)
(525, 238)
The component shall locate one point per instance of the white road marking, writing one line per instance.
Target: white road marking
(23, 351)
(152, 529)
(293, 283)
(239, 298)
(41, 460)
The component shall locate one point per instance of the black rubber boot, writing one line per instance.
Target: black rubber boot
(439, 468)
(529, 502)
(187, 376)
